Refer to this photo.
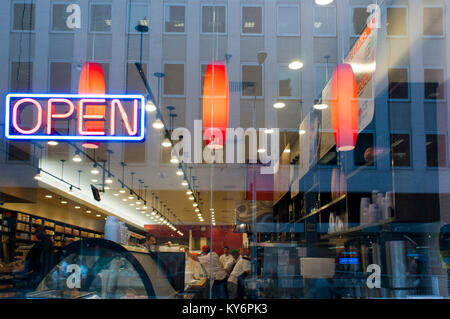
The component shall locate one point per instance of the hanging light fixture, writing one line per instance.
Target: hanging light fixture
(344, 107)
(166, 143)
(150, 106)
(95, 170)
(38, 175)
(189, 192)
(191, 197)
(122, 190)
(215, 104)
(158, 124)
(174, 160)
(179, 172)
(92, 81)
(184, 183)
(77, 158)
(109, 180)
(195, 205)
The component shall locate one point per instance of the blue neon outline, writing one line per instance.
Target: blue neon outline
(10, 136)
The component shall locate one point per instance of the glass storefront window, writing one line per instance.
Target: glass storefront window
(240, 150)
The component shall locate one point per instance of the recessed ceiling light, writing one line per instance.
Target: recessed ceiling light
(295, 65)
(48, 196)
(131, 204)
(77, 207)
(88, 212)
(323, 2)
(279, 105)
(94, 180)
(174, 160)
(116, 194)
(98, 215)
(301, 132)
(63, 202)
(179, 172)
(321, 106)
(124, 200)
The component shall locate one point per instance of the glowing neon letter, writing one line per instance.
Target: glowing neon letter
(82, 116)
(130, 131)
(39, 116)
(52, 115)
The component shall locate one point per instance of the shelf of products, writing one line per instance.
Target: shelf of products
(367, 228)
(26, 228)
(323, 208)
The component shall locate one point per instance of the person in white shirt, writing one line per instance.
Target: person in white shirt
(243, 266)
(193, 269)
(219, 275)
(226, 258)
(230, 263)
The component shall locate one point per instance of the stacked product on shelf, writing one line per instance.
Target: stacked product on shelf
(378, 207)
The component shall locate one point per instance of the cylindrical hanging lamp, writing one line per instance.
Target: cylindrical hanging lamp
(92, 81)
(344, 107)
(215, 104)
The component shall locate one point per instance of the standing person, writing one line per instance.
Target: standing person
(219, 275)
(150, 242)
(39, 260)
(226, 257)
(232, 262)
(240, 270)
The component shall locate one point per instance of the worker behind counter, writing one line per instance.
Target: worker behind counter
(150, 242)
(226, 258)
(219, 275)
(241, 270)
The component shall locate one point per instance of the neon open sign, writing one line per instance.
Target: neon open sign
(75, 117)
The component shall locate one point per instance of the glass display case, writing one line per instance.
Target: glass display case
(99, 268)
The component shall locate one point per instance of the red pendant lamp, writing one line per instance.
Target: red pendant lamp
(344, 107)
(92, 81)
(215, 104)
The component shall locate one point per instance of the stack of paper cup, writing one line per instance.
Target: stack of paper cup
(364, 210)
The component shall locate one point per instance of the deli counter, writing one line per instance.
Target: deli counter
(99, 268)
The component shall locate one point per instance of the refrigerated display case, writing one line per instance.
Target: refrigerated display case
(99, 268)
